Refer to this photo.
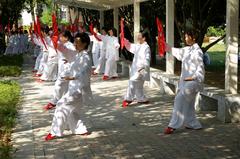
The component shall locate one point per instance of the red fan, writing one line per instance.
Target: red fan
(161, 38)
(93, 33)
(40, 33)
(55, 31)
(122, 33)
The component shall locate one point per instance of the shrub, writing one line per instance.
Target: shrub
(9, 98)
(11, 65)
(216, 31)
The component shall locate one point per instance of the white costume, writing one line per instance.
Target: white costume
(61, 85)
(44, 56)
(67, 113)
(112, 56)
(140, 71)
(102, 60)
(96, 49)
(192, 66)
(22, 43)
(15, 44)
(50, 71)
(9, 49)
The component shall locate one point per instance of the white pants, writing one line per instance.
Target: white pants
(111, 68)
(67, 115)
(50, 72)
(101, 65)
(184, 111)
(135, 91)
(95, 57)
(43, 63)
(37, 62)
(60, 89)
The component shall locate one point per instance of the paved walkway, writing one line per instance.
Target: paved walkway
(117, 133)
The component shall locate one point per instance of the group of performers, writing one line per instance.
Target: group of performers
(80, 55)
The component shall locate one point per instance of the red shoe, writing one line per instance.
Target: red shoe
(49, 106)
(49, 137)
(34, 71)
(169, 130)
(37, 75)
(126, 103)
(145, 102)
(105, 78)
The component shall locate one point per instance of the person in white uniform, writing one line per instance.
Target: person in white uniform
(37, 52)
(67, 113)
(112, 55)
(15, 43)
(140, 70)
(191, 82)
(61, 85)
(102, 60)
(96, 48)
(50, 71)
(44, 49)
(9, 49)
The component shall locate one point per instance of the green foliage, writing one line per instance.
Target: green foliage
(46, 17)
(9, 98)
(216, 31)
(11, 65)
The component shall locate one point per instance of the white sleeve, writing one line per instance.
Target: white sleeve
(200, 71)
(130, 46)
(68, 53)
(147, 59)
(178, 53)
(116, 43)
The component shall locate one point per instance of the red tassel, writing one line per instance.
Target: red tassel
(93, 33)
(55, 31)
(40, 33)
(161, 38)
(122, 33)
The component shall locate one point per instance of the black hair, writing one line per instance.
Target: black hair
(84, 38)
(145, 35)
(46, 30)
(193, 33)
(114, 31)
(67, 34)
(105, 29)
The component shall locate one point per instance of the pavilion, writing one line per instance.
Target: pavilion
(230, 97)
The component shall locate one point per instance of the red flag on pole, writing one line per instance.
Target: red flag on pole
(161, 38)
(122, 33)
(35, 28)
(40, 33)
(55, 31)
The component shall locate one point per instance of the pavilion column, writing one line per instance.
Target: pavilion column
(101, 19)
(116, 19)
(231, 64)
(170, 61)
(136, 7)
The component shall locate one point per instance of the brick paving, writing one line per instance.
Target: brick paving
(117, 133)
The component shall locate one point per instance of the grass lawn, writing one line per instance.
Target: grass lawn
(9, 99)
(11, 65)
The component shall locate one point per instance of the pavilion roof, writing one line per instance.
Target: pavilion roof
(97, 4)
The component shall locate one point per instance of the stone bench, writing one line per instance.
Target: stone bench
(211, 98)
